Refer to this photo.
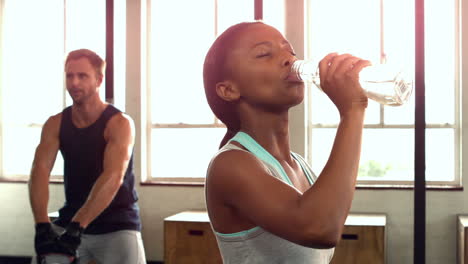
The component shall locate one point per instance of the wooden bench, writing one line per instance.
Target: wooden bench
(188, 238)
(363, 240)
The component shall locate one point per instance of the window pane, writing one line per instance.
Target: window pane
(440, 61)
(321, 144)
(88, 33)
(183, 152)
(398, 22)
(403, 114)
(19, 146)
(177, 55)
(399, 50)
(356, 32)
(32, 65)
(32, 85)
(325, 112)
(341, 30)
(440, 155)
(274, 13)
(119, 54)
(387, 154)
(233, 12)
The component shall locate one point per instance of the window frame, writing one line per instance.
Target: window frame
(54, 178)
(302, 112)
(104, 89)
(151, 178)
(455, 184)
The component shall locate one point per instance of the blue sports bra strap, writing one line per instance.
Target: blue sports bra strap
(305, 168)
(251, 145)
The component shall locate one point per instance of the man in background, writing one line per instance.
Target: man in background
(100, 218)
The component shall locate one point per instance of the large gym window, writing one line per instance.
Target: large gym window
(381, 31)
(184, 133)
(35, 37)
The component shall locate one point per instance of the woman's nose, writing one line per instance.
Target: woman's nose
(287, 60)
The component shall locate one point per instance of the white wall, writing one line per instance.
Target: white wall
(158, 202)
(16, 224)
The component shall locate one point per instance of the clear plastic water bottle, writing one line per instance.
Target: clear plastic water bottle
(382, 83)
(56, 259)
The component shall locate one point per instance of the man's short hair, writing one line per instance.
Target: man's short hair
(96, 61)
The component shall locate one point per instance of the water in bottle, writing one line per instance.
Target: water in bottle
(382, 83)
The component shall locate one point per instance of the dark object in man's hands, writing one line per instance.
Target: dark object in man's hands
(69, 241)
(45, 239)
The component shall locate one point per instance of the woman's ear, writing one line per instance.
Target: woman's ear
(227, 91)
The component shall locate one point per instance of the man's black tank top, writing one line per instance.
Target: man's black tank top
(83, 155)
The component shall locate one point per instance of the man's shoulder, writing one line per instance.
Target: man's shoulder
(119, 124)
(51, 127)
(118, 115)
(54, 120)
(57, 118)
(120, 118)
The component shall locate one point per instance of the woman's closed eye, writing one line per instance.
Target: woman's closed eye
(263, 54)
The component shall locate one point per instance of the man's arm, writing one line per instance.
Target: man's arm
(44, 159)
(120, 133)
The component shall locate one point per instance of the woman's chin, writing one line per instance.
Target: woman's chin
(296, 94)
(293, 101)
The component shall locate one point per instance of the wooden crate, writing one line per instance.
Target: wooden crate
(462, 239)
(363, 240)
(188, 238)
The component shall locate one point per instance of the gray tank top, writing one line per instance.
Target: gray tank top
(257, 245)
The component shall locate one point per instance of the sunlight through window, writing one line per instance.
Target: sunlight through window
(36, 36)
(384, 31)
(183, 125)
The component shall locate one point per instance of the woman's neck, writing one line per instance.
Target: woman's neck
(271, 131)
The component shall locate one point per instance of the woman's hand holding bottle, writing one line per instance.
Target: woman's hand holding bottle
(339, 75)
